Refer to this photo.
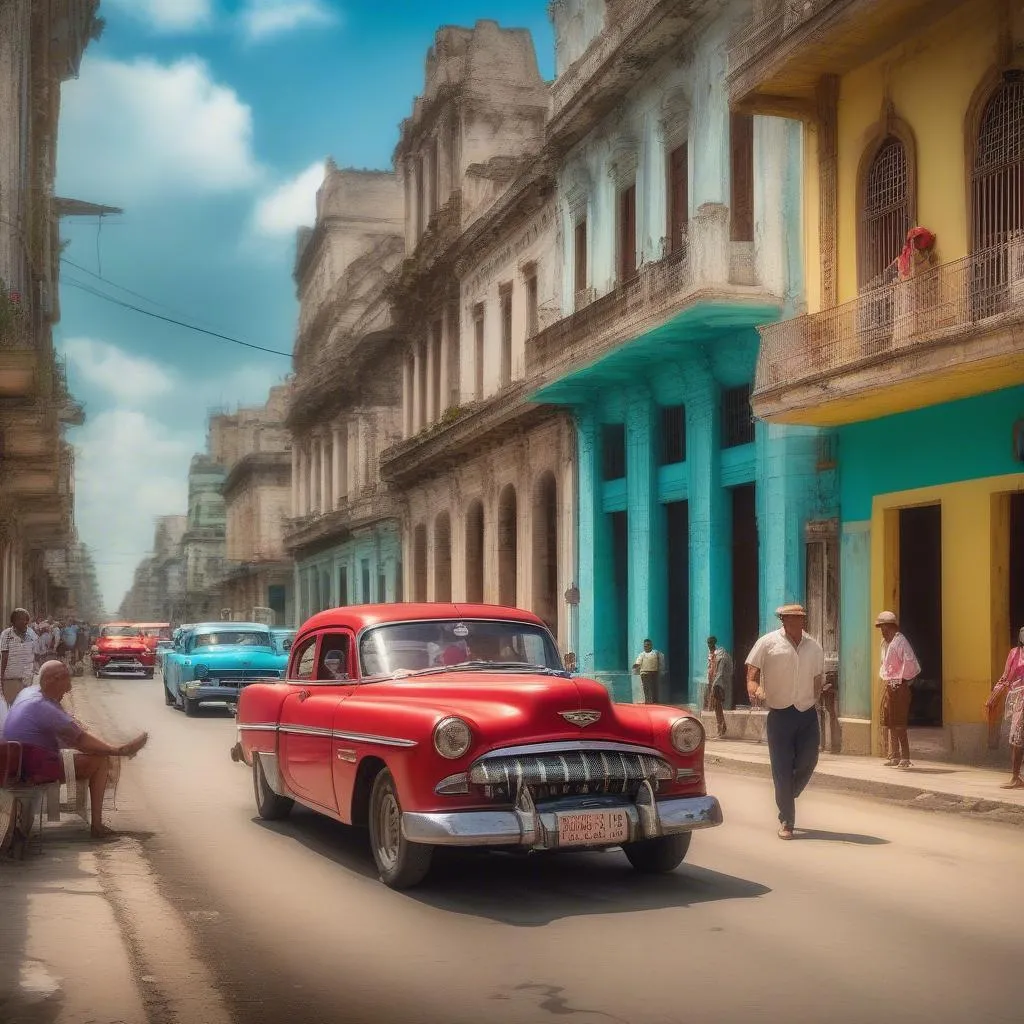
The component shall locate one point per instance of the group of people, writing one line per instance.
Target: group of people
(31, 713)
(66, 640)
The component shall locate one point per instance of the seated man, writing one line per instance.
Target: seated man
(43, 728)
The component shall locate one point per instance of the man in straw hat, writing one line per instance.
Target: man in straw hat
(898, 665)
(785, 669)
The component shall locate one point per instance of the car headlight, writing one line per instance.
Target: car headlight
(452, 738)
(201, 672)
(686, 734)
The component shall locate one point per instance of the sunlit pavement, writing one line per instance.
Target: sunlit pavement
(875, 913)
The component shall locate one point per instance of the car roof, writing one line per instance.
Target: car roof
(361, 616)
(201, 627)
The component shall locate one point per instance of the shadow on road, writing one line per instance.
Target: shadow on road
(839, 837)
(346, 846)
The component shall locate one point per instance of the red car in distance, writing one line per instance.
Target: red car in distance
(121, 649)
(457, 725)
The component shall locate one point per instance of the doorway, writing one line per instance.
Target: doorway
(920, 612)
(677, 514)
(746, 585)
(621, 658)
(1016, 565)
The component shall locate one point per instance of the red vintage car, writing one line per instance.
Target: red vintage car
(121, 649)
(457, 725)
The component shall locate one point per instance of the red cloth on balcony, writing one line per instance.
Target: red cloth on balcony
(918, 240)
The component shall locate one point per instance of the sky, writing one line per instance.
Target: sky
(208, 123)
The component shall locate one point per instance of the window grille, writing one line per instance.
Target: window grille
(614, 451)
(673, 434)
(885, 214)
(737, 417)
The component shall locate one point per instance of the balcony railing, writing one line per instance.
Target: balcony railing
(952, 302)
(374, 505)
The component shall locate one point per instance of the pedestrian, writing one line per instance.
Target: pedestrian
(898, 666)
(17, 655)
(720, 671)
(44, 729)
(69, 641)
(570, 662)
(1011, 687)
(649, 665)
(785, 669)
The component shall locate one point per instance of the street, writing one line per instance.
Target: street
(877, 912)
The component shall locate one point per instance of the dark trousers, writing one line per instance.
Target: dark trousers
(793, 738)
(649, 681)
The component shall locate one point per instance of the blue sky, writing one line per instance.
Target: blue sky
(208, 121)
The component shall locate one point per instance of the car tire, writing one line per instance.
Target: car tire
(658, 856)
(401, 864)
(270, 806)
(191, 706)
(149, 674)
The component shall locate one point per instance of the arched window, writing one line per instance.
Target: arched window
(886, 212)
(997, 176)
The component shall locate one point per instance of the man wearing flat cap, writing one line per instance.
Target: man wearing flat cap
(898, 665)
(785, 669)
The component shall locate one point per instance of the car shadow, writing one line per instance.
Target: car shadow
(344, 845)
(839, 837)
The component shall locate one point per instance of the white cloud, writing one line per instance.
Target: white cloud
(265, 19)
(169, 15)
(131, 380)
(139, 130)
(290, 205)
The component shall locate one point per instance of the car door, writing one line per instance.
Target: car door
(307, 719)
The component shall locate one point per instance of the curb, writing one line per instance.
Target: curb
(914, 797)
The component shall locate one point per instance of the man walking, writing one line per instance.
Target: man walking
(17, 655)
(649, 665)
(720, 669)
(897, 667)
(785, 669)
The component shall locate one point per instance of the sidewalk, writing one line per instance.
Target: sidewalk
(928, 785)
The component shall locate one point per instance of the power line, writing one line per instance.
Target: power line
(89, 290)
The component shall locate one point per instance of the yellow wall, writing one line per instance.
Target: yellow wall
(930, 80)
(975, 553)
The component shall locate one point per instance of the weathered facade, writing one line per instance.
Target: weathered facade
(41, 45)
(913, 354)
(258, 581)
(203, 546)
(346, 407)
(157, 593)
(486, 475)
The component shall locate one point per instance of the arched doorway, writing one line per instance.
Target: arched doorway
(545, 550)
(419, 563)
(475, 552)
(443, 557)
(508, 547)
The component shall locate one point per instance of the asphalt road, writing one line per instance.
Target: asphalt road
(877, 913)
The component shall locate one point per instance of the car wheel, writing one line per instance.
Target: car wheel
(401, 864)
(149, 674)
(269, 805)
(191, 706)
(658, 856)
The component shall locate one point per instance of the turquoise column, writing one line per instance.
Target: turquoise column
(648, 569)
(856, 629)
(588, 449)
(710, 532)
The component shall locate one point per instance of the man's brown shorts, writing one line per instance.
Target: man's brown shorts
(895, 712)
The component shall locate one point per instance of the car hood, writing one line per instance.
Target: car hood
(121, 643)
(255, 656)
(513, 709)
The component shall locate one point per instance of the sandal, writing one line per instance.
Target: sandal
(785, 832)
(893, 762)
(1015, 783)
(904, 765)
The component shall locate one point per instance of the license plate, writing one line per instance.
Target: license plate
(590, 828)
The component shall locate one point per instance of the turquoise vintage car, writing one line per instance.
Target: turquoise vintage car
(213, 661)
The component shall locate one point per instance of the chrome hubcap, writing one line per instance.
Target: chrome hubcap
(389, 829)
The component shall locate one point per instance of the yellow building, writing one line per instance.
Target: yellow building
(911, 347)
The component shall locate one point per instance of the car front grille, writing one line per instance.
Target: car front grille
(568, 773)
(243, 675)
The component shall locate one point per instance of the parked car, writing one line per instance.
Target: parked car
(121, 650)
(212, 662)
(456, 725)
(154, 632)
(283, 639)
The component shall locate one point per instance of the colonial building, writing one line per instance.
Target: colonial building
(486, 476)
(258, 580)
(911, 347)
(202, 545)
(157, 593)
(346, 406)
(679, 228)
(41, 46)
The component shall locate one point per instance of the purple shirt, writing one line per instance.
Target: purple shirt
(42, 723)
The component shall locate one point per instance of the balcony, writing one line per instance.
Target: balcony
(951, 331)
(778, 58)
(334, 527)
(639, 33)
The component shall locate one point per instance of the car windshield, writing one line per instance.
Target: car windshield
(121, 631)
(453, 643)
(232, 637)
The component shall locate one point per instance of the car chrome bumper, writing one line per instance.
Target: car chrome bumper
(537, 828)
(204, 693)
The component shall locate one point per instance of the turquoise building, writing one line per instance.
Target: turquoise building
(681, 229)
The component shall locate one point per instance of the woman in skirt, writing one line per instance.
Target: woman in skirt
(1011, 686)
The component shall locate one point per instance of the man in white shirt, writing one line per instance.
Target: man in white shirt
(898, 665)
(785, 669)
(17, 655)
(649, 665)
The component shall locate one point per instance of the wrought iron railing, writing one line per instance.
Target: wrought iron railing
(952, 301)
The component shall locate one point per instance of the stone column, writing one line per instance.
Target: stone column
(431, 410)
(593, 547)
(445, 390)
(710, 547)
(313, 504)
(417, 389)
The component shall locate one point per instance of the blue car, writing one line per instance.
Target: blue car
(211, 663)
